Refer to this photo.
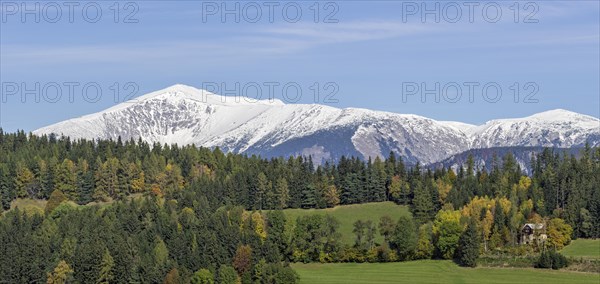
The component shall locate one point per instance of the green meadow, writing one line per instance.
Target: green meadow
(348, 214)
(584, 248)
(432, 271)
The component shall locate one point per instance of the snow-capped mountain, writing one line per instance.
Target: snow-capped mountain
(186, 115)
(554, 128)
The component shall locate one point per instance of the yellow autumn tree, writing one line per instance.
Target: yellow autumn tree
(23, 181)
(137, 178)
(399, 190)
(66, 179)
(155, 189)
(170, 178)
(486, 227)
(107, 181)
(259, 225)
(559, 233)
(474, 208)
(520, 190)
(505, 204)
(332, 196)
(62, 273)
(444, 185)
(526, 208)
(201, 170)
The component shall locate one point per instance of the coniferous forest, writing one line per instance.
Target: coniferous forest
(183, 214)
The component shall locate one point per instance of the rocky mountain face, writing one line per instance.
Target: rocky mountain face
(186, 115)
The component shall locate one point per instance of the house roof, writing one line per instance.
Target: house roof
(533, 226)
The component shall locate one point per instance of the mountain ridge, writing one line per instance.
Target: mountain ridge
(185, 115)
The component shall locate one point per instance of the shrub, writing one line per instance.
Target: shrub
(544, 261)
(558, 260)
(56, 198)
(62, 209)
(351, 254)
(551, 259)
(277, 273)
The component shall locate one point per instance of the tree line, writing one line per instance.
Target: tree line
(85, 171)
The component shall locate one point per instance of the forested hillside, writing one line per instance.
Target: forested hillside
(200, 215)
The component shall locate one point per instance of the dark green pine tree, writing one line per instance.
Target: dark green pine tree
(422, 204)
(308, 196)
(6, 193)
(379, 179)
(468, 246)
(349, 189)
(85, 182)
(499, 216)
(595, 213)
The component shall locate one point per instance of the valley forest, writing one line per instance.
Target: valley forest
(109, 211)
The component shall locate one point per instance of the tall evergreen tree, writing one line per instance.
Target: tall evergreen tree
(66, 179)
(106, 269)
(468, 246)
(422, 204)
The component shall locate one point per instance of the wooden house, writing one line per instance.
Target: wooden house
(532, 232)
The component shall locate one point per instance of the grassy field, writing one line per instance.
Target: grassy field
(431, 271)
(29, 205)
(586, 248)
(348, 214)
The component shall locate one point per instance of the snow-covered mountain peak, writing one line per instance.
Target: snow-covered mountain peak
(561, 115)
(554, 128)
(184, 92)
(177, 90)
(186, 115)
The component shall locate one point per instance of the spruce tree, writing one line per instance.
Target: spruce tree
(468, 246)
(308, 196)
(282, 193)
(106, 268)
(422, 204)
(85, 182)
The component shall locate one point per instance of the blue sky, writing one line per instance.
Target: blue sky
(370, 51)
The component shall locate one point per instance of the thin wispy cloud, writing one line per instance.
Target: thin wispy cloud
(231, 43)
(266, 40)
(350, 32)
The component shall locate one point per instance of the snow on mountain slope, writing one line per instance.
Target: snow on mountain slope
(461, 126)
(186, 115)
(554, 128)
(178, 114)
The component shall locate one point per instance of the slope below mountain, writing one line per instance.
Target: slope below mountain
(485, 158)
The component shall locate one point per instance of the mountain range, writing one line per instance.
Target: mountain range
(186, 115)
